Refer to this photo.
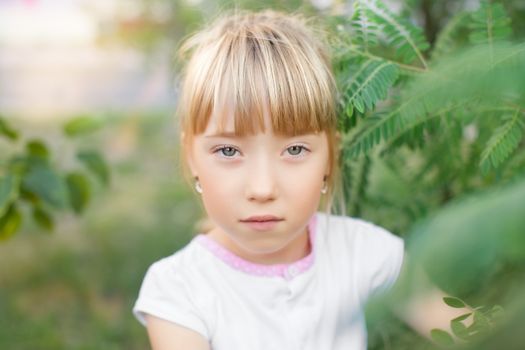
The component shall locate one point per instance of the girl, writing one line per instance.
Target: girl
(259, 135)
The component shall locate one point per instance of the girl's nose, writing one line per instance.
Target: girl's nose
(261, 184)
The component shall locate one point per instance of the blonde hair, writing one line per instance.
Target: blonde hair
(246, 62)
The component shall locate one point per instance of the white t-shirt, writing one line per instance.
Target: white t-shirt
(314, 303)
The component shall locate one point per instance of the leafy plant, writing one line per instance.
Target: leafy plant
(30, 177)
(425, 129)
(480, 321)
(398, 93)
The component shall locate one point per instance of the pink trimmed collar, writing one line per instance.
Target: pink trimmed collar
(287, 271)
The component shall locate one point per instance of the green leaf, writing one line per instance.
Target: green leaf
(18, 164)
(43, 218)
(481, 321)
(496, 312)
(441, 337)
(450, 87)
(459, 329)
(83, 125)
(503, 142)
(9, 186)
(365, 31)
(489, 23)
(446, 40)
(37, 148)
(475, 233)
(10, 222)
(7, 131)
(454, 302)
(407, 39)
(95, 163)
(79, 191)
(462, 317)
(46, 184)
(480, 326)
(369, 83)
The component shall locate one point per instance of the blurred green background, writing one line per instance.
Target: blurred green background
(74, 287)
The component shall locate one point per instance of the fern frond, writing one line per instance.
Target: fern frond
(368, 84)
(516, 165)
(412, 132)
(408, 69)
(338, 38)
(406, 38)
(376, 128)
(489, 23)
(365, 31)
(469, 75)
(461, 81)
(445, 40)
(503, 142)
(405, 124)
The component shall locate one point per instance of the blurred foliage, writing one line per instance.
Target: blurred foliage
(429, 128)
(479, 235)
(30, 177)
(156, 23)
(75, 289)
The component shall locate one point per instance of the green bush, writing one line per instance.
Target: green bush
(31, 177)
(433, 150)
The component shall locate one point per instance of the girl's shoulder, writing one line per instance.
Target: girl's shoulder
(173, 291)
(374, 254)
(182, 262)
(363, 240)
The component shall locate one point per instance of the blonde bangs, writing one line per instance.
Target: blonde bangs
(246, 64)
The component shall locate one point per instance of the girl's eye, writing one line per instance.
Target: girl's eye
(230, 152)
(295, 150)
(227, 151)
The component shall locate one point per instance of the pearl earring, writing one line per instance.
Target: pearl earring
(198, 187)
(324, 190)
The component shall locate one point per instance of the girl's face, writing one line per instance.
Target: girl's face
(248, 180)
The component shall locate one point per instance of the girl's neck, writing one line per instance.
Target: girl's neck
(297, 249)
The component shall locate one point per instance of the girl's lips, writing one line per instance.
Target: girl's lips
(262, 225)
(261, 218)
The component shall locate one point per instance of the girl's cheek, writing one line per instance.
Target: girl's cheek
(220, 182)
